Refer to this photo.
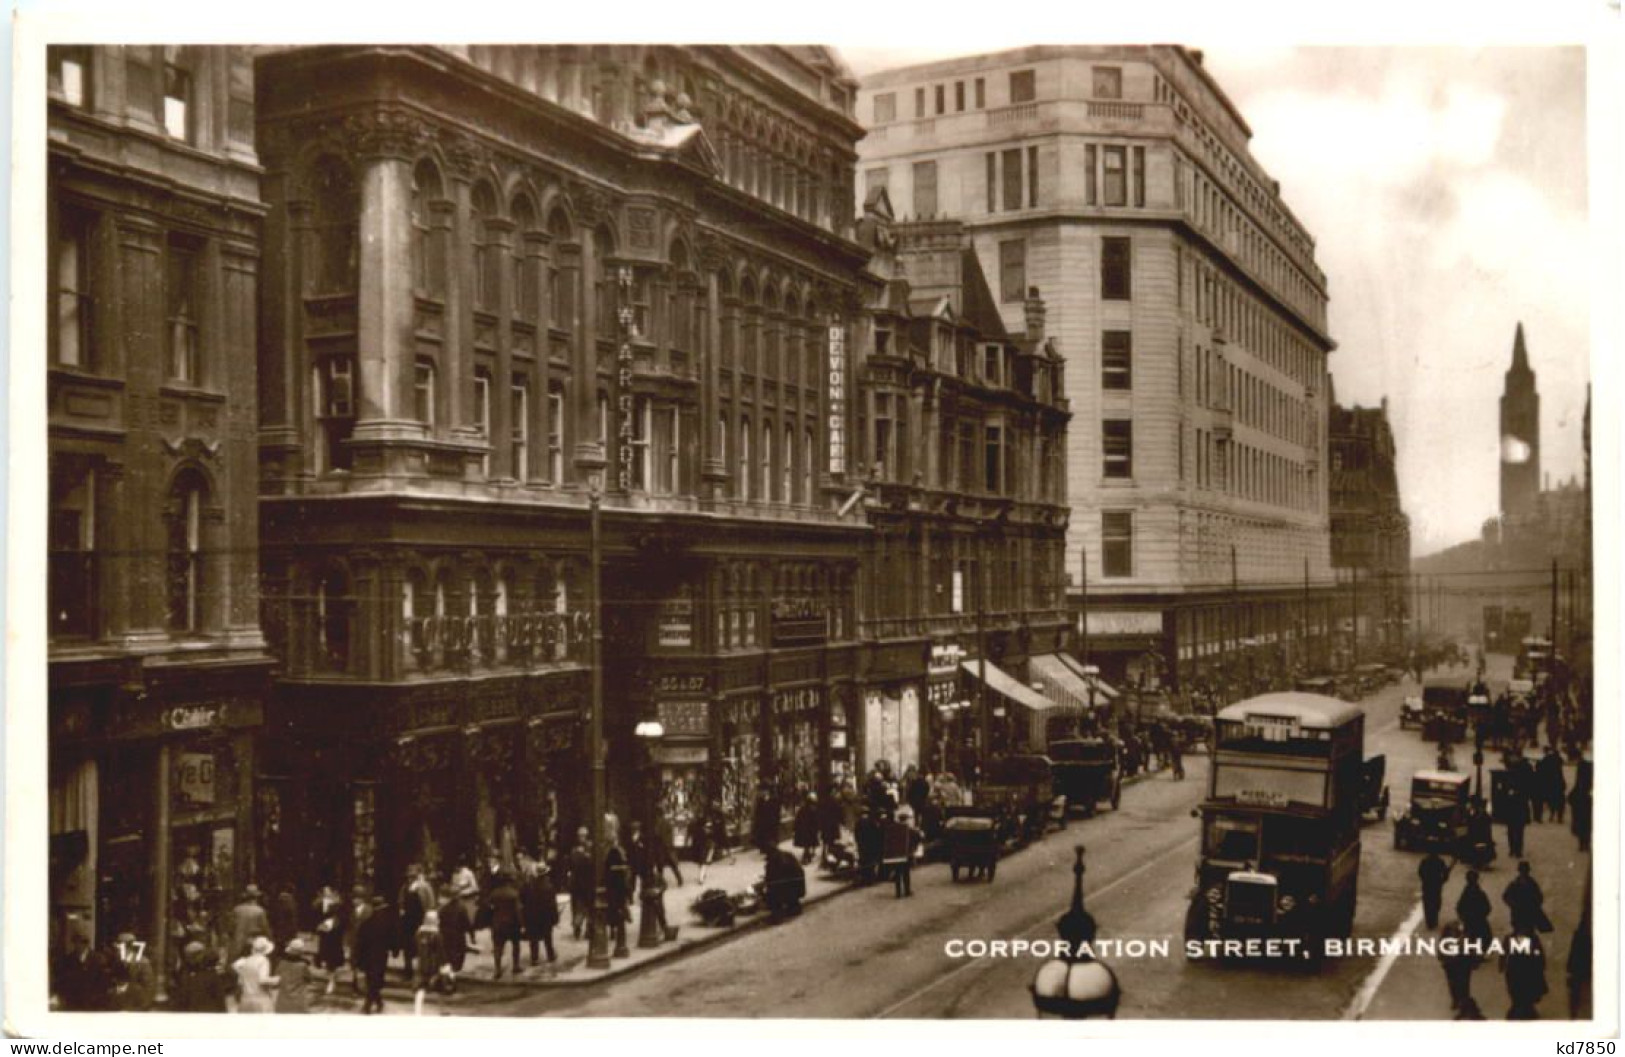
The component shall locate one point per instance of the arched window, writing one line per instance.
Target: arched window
(563, 273)
(730, 323)
(417, 605)
(808, 458)
(428, 241)
(185, 553)
(722, 440)
(487, 273)
(742, 486)
(336, 209)
(750, 321)
(792, 340)
(527, 290)
(608, 328)
(771, 321)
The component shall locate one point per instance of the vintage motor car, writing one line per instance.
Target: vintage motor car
(973, 844)
(1411, 712)
(1087, 771)
(1437, 816)
(1021, 790)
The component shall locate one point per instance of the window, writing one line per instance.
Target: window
(667, 448)
(919, 102)
(1138, 176)
(1012, 271)
(1012, 179)
(526, 265)
(1117, 543)
(1116, 360)
(423, 392)
(1115, 177)
(482, 408)
(1023, 86)
(881, 453)
(519, 430)
(1032, 177)
(1108, 82)
(787, 470)
(981, 93)
(185, 516)
(885, 107)
(555, 433)
(767, 462)
(809, 451)
(428, 257)
(334, 393)
(1117, 444)
(71, 320)
(942, 98)
(925, 188)
(874, 180)
(177, 102)
(992, 182)
(487, 281)
(967, 456)
(336, 210)
(959, 95)
(1115, 281)
(993, 364)
(184, 350)
(602, 410)
(69, 74)
(993, 459)
(71, 591)
(1091, 190)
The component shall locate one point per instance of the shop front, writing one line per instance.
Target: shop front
(681, 757)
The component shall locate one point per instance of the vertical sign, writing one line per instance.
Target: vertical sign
(623, 379)
(837, 396)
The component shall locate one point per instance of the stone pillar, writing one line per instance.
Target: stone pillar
(715, 468)
(589, 451)
(499, 235)
(385, 304)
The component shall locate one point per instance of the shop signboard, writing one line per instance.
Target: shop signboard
(684, 719)
(194, 777)
(675, 628)
(836, 398)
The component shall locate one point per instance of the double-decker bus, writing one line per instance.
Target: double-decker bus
(1281, 825)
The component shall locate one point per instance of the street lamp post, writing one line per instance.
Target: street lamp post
(1075, 986)
(597, 939)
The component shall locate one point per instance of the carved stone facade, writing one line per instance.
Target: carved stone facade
(157, 668)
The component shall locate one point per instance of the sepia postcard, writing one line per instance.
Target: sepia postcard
(1066, 527)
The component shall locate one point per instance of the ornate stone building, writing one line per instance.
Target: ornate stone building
(1187, 300)
(157, 669)
(1371, 535)
(498, 275)
(962, 429)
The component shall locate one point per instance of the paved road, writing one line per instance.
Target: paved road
(867, 954)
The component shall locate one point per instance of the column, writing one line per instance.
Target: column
(499, 235)
(715, 468)
(159, 936)
(385, 305)
(589, 453)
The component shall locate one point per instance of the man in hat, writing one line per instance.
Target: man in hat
(248, 919)
(373, 940)
(1526, 901)
(417, 899)
(137, 983)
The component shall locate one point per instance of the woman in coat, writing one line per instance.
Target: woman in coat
(200, 986)
(293, 972)
(454, 936)
(256, 985)
(330, 928)
(506, 923)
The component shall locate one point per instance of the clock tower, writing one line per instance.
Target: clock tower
(1520, 434)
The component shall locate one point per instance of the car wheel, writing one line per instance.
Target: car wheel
(953, 871)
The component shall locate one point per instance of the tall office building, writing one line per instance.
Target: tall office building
(1185, 297)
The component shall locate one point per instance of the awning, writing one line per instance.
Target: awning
(1061, 684)
(1072, 664)
(1001, 682)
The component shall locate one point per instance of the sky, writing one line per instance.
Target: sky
(1446, 190)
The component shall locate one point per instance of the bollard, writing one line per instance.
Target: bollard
(652, 919)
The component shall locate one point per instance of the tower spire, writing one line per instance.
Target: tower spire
(1520, 355)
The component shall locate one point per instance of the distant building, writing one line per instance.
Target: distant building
(962, 430)
(1530, 568)
(158, 671)
(1371, 536)
(1187, 302)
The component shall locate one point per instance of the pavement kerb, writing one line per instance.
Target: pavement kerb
(667, 952)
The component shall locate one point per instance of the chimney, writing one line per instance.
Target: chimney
(1035, 316)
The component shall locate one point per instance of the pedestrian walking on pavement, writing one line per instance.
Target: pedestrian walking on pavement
(1528, 786)
(1434, 872)
(541, 906)
(373, 940)
(331, 913)
(1579, 967)
(294, 978)
(1553, 786)
(1517, 817)
(1525, 900)
(1176, 755)
(200, 984)
(764, 828)
(1473, 908)
(870, 838)
(248, 919)
(466, 886)
(433, 969)
(1458, 965)
(900, 841)
(617, 889)
(256, 984)
(1580, 805)
(284, 915)
(360, 911)
(581, 883)
(506, 922)
(454, 936)
(663, 848)
(806, 828)
(1524, 966)
(829, 824)
(416, 900)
